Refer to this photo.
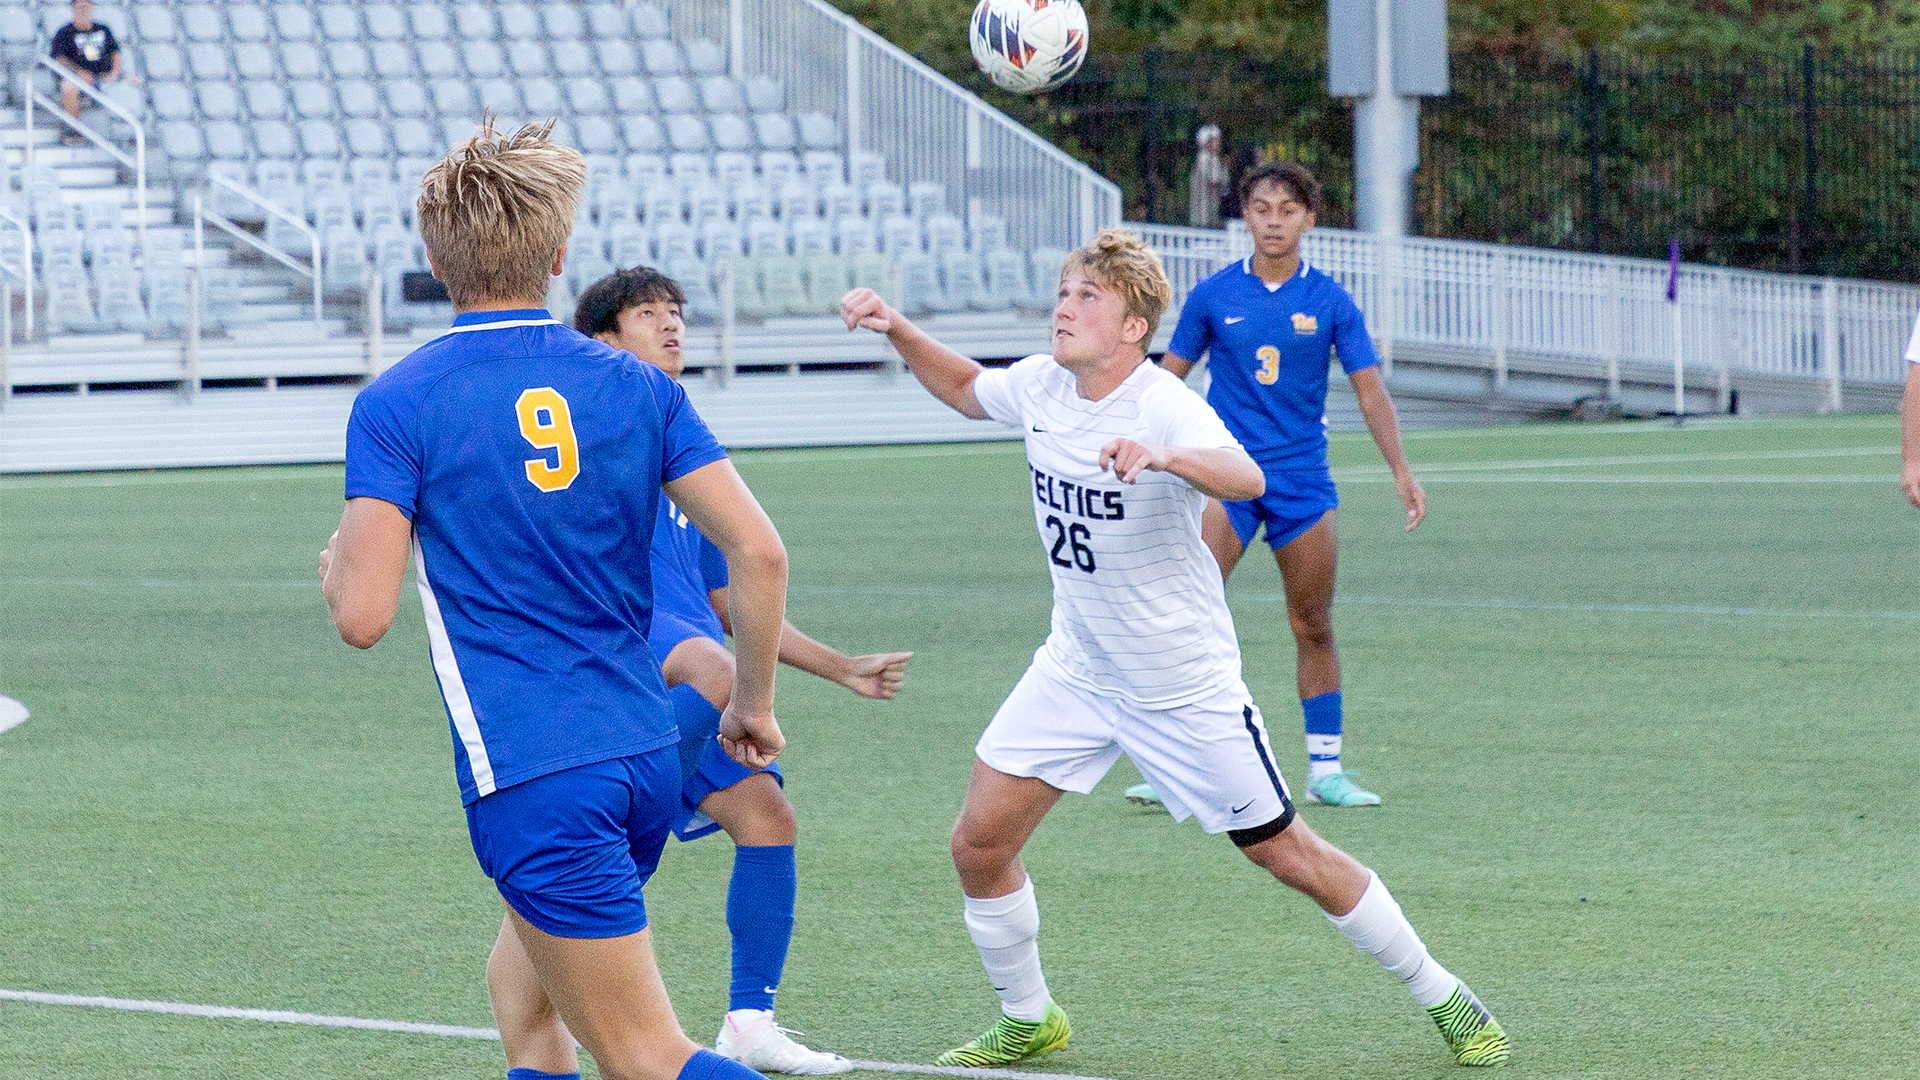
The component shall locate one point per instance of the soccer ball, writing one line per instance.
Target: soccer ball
(1028, 46)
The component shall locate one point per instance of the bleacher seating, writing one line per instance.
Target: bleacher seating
(332, 111)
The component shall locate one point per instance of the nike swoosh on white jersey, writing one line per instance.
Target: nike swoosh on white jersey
(1231, 319)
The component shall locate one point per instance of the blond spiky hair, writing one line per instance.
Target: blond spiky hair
(496, 211)
(1124, 263)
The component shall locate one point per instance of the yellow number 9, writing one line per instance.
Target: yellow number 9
(546, 423)
(1269, 372)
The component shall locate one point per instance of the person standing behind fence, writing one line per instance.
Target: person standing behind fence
(89, 50)
(1208, 184)
(1910, 423)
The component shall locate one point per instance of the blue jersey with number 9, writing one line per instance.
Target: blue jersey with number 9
(529, 458)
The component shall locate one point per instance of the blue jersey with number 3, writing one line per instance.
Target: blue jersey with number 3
(1271, 350)
(529, 458)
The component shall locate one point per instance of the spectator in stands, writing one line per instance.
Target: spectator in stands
(88, 49)
(1208, 184)
(1245, 160)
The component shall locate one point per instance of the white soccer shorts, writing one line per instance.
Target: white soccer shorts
(1209, 760)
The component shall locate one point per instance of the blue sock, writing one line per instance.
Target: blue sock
(536, 1074)
(707, 1065)
(1324, 721)
(760, 917)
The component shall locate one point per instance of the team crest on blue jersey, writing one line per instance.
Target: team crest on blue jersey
(1305, 324)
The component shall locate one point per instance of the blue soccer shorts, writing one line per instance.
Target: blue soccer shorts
(704, 765)
(1294, 502)
(571, 850)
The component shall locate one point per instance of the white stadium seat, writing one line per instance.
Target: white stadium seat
(731, 133)
(155, 23)
(542, 97)
(518, 22)
(182, 141)
(411, 137)
(596, 135)
(202, 22)
(608, 21)
(171, 100)
(312, 100)
(865, 167)
(339, 22)
(926, 198)
(945, 234)
(643, 134)
(392, 59)
(349, 60)
(649, 22)
(662, 58)
(823, 168)
(248, 23)
(301, 60)
(732, 169)
(454, 97)
(775, 132)
(573, 58)
(254, 62)
(675, 95)
(811, 236)
(500, 96)
(631, 95)
(588, 97)
(266, 101)
(819, 132)
(475, 22)
(706, 58)
(854, 236)
(688, 134)
(840, 200)
(986, 233)
(645, 170)
(358, 98)
(440, 60)
(899, 235)
(209, 61)
(777, 168)
(367, 138)
(766, 238)
(563, 22)
(293, 23)
(483, 59)
(617, 57)
(319, 139)
(163, 62)
(225, 139)
(719, 94)
(406, 98)
(765, 95)
(1006, 278)
(430, 22)
(385, 22)
(219, 101)
(528, 59)
(884, 200)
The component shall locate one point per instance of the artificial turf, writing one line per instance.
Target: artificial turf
(1642, 703)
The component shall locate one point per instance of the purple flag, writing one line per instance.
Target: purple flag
(1673, 270)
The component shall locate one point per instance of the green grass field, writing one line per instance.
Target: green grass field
(1642, 703)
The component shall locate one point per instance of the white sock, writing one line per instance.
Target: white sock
(1323, 757)
(1006, 930)
(1378, 927)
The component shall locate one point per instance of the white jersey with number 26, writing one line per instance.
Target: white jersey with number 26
(1139, 610)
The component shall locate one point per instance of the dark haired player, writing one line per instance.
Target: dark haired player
(1272, 324)
(638, 311)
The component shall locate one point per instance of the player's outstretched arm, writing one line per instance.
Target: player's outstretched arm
(717, 501)
(1910, 437)
(1377, 406)
(1220, 472)
(946, 374)
(362, 568)
(876, 675)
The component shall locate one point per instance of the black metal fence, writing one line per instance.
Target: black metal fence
(1807, 162)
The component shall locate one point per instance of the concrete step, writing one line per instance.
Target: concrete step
(262, 294)
(88, 176)
(284, 330)
(17, 136)
(268, 312)
(51, 152)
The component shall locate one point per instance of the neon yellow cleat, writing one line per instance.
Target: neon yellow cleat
(1471, 1032)
(1010, 1040)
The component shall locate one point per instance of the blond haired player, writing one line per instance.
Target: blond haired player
(1142, 656)
(523, 463)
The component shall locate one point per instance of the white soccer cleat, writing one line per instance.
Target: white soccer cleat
(750, 1037)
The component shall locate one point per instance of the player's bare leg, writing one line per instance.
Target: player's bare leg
(608, 993)
(1003, 918)
(754, 812)
(1359, 905)
(703, 663)
(1306, 574)
(531, 1031)
(1218, 532)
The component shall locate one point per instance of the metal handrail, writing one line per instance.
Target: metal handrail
(26, 257)
(138, 162)
(201, 213)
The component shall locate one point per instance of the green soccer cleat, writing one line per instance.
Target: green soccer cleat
(1337, 789)
(1471, 1032)
(1142, 795)
(1010, 1040)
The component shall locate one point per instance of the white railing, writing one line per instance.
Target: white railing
(203, 216)
(927, 127)
(23, 270)
(137, 163)
(1593, 311)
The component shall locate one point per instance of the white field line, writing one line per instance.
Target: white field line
(165, 477)
(281, 1016)
(1359, 471)
(1889, 479)
(1617, 609)
(12, 713)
